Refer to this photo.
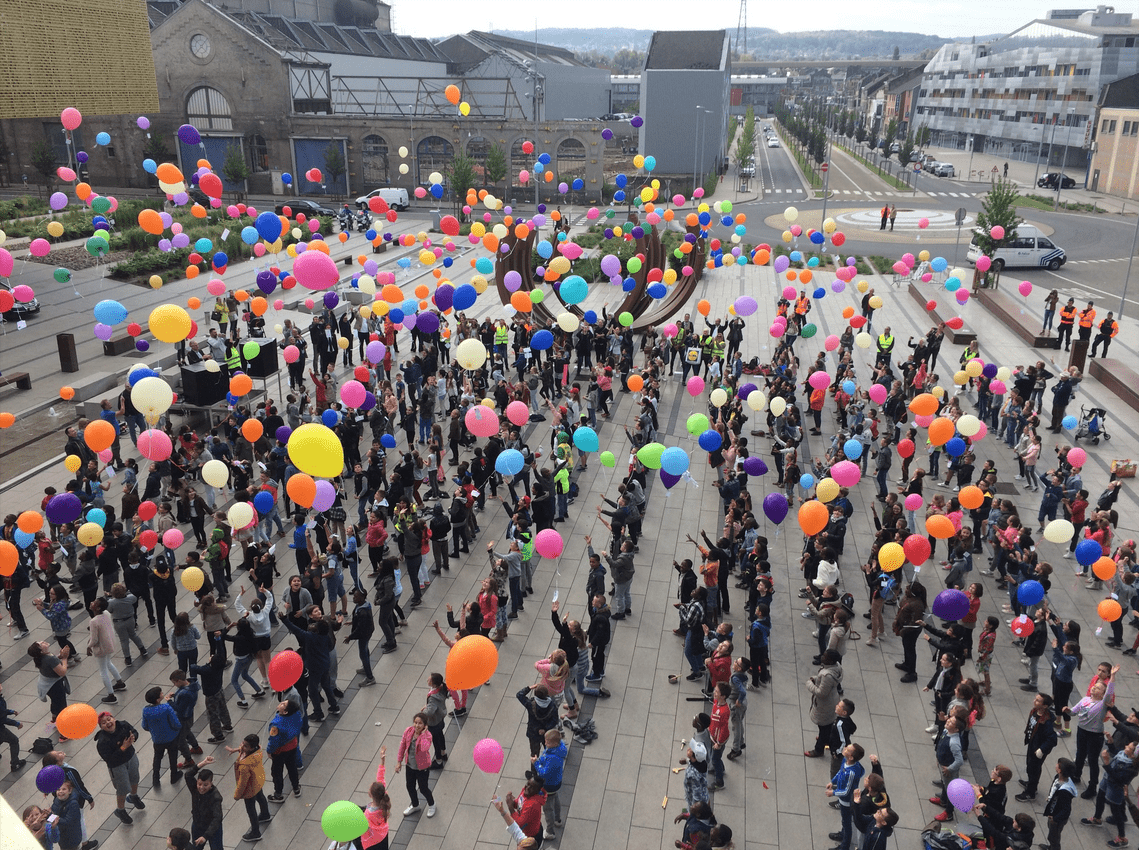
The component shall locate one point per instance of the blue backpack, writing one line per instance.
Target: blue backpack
(889, 588)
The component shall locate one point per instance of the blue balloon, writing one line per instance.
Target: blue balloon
(249, 235)
(796, 256)
(952, 284)
(848, 387)
(287, 178)
(464, 297)
(1069, 422)
(585, 438)
(220, 260)
(621, 180)
(110, 312)
(538, 168)
(590, 317)
(955, 447)
(437, 190)
(409, 307)
(710, 440)
(396, 315)
(544, 158)
(330, 417)
(657, 290)
(939, 264)
(1088, 552)
(23, 540)
(674, 460)
(97, 516)
(619, 196)
(705, 218)
(852, 449)
(817, 237)
(628, 284)
(149, 166)
(137, 375)
(484, 265)
(404, 262)
(387, 441)
(545, 250)
(269, 226)
(103, 139)
(542, 340)
(820, 292)
(574, 289)
(1030, 592)
(509, 462)
(578, 184)
(263, 502)
(806, 481)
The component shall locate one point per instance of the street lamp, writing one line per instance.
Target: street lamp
(696, 147)
(414, 146)
(1039, 150)
(1067, 142)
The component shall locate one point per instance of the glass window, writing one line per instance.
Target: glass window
(208, 109)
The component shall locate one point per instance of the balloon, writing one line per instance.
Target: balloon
(940, 527)
(972, 497)
(778, 405)
(960, 791)
(877, 393)
(471, 354)
(951, 604)
(509, 462)
(1104, 568)
(674, 461)
(482, 421)
(905, 447)
(152, 396)
(77, 721)
(100, 434)
(1022, 626)
(1029, 592)
(813, 517)
(488, 756)
(548, 543)
(215, 473)
(917, 549)
(193, 579)
(241, 514)
(518, 413)
(608, 459)
(64, 508)
(1088, 552)
(846, 473)
(155, 445)
(710, 440)
(941, 430)
(9, 558)
(1057, 531)
(170, 323)
(695, 385)
(343, 821)
(891, 556)
(285, 670)
(827, 490)
(924, 404)
(914, 502)
(1077, 457)
(30, 522)
(1109, 610)
(51, 778)
(471, 661)
(316, 450)
(585, 439)
(315, 270)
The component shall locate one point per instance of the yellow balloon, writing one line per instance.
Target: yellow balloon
(403, 169)
(240, 515)
(778, 405)
(1059, 531)
(1003, 373)
(876, 302)
(155, 281)
(787, 237)
(342, 343)
(367, 284)
(924, 256)
(435, 177)
(471, 353)
(427, 258)
(365, 311)
(477, 229)
(291, 251)
(862, 286)
(214, 472)
(891, 556)
(938, 392)
(90, 534)
(54, 228)
(296, 231)
(403, 151)
(638, 161)
(170, 323)
(153, 397)
(568, 322)
(499, 230)
(487, 402)
(465, 108)
(719, 397)
(863, 340)
(211, 366)
(193, 578)
(646, 194)
(479, 283)
(756, 400)
(381, 308)
(960, 378)
(669, 276)
(830, 226)
(826, 490)
(316, 450)
(968, 425)
(791, 213)
(974, 368)
(72, 463)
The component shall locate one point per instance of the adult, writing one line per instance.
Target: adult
(415, 749)
(825, 688)
(1107, 331)
(115, 742)
(102, 645)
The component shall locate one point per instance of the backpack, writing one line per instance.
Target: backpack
(223, 549)
(573, 491)
(42, 746)
(889, 591)
(847, 602)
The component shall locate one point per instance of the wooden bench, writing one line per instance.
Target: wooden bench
(1009, 312)
(122, 344)
(962, 336)
(22, 380)
(1117, 377)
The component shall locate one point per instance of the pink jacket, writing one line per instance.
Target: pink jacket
(377, 824)
(423, 746)
(102, 641)
(543, 668)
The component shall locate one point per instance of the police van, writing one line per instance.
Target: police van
(1030, 248)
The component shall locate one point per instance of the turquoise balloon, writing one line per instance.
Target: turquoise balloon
(674, 460)
(574, 289)
(585, 439)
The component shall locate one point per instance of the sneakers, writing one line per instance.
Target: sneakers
(367, 682)
(110, 698)
(243, 703)
(942, 816)
(120, 685)
(16, 765)
(334, 710)
(431, 811)
(297, 791)
(603, 693)
(136, 801)
(548, 835)
(931, 728)
(276, 798)
(251, 836)
(122, 815)
(410, 810)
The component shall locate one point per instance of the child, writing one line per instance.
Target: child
(759, 638)
(738, 703)
(719, 730)
(877, 837)
(205, 805)
(842, 786)
(363, 626)
(548, 767)
(78, 789)
(161, 721)
(841, 732)
(178, 839)
(6, 737)
(249, 772)
(184, 699)
(696, 775)
(378, 810)
(1058, 808)
(68, 807)
(213, 688)
(992, 799)
(985, 645)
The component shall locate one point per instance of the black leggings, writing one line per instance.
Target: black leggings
(164, 606)
(282, 762)
(418, 777)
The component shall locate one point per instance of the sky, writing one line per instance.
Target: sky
(949, 18)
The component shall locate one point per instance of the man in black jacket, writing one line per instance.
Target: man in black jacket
(1061, 395)
(205, 805)
(363, 627)
(1039, 740)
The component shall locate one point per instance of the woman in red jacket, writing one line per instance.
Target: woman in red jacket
(415, 748)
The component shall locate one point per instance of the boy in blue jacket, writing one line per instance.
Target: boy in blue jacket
(842, 787)
(184, 699)
(69, 808)
(161, 721)
(548, 767)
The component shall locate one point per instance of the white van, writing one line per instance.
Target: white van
(395, 198)
(1030, 248)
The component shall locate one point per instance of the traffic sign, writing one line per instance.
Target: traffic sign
(959, 218)
(825, 166)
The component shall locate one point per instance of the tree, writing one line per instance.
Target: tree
(745, 143)
(890, 137)
(897, 52)
(923, 136)
(155, 148)
(334, 165)
(860, 134)
(819, 145)
(907, 150)
(43, 160)
(495, 167)
(997, 208)
(234, 169)
(460, 175)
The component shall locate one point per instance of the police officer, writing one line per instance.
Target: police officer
(1087, 318)
(1108, 328)
(1067, 321)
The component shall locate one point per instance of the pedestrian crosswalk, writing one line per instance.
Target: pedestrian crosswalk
(865, 193)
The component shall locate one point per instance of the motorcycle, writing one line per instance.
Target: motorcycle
(345, 218)
(363, 221)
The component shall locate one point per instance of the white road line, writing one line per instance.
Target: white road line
(1080, 285)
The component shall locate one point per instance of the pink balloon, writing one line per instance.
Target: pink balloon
(315, 270)
(278, 304)
(23, 293)
(695, 385)
(216, 287)
(106, 455)
(1077, 456)
(518, 413)
(923, 223)
(39, 248)
(669, 331)
(819, 380)
(984, 263)
(482, 421)
(1025, 288)
(997, 387)
(352, 393)
(997, 232)
(6, 263)
(70, 118)
(172, 539)
(877, 393)
(914, 502)
(789, 292)
(155, 445)
(549, 543)
(776, 330)
(923, 421)
(66, 174)
(846, 473)
(980, 434)
(488, 755)
(291, 354)
(831, 342)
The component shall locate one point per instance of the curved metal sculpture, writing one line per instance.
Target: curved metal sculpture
(645, 309)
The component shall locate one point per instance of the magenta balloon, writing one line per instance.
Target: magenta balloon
(846, 473)
(315, 270)
(352, 393)
(819, 380)
(877, 393)
(695, 385)
(6, 263)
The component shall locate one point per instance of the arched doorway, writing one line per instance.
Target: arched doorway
(432, 154)
(478, 149)
(374, 161)
(571, 160)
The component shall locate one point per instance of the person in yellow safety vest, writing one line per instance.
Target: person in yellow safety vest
(501, 335)
(706, 348)
(802, 307)
(1087, 317)
(885, 347)
(232, 358)
(1067, 322)
(970, 353)
(1108, 328)
(561, 488)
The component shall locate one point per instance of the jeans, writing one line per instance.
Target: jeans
(739, 731)
(418, 778)
(217, 574)
(1088, 747)
(252, 804)
(1048, 316)
(694, 650)
(718, 764)
(365, 657)
(515, 594)
(881, 476)
(214, 841)
(241, 665)
(127, 635)
(847, 826)
(580, 671)
(563, 506)
(622, 600)
(186, 658)
(109, 672)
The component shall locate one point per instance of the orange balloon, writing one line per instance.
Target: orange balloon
(971, 497)
(7, 420)
(763, 257)
(813, 517)
(521, 302)
(703, 307)
(924, 404)
(241, 295)
(392, 294)
(941, 430)
(9, 558)
(150, 221)
(668, 215)
(99, 434)
(258, 306)
(343, 237)
(556, 215)
(30, 522)
(168, 172)
(847, 312)
(636, 383)
(192, 272)
(240, 385)
(198, 211)
(82, 191)
(452, 94)
(549, 176)
(1103, 569)
(805, 276)
(1110, 610)
(77, 721)
(422, 291)
(940, 527)
(792, 274)
(490, 242)
(194, 302)
(471, 662)
(521, 231)
(66, 393)
(319, 245)
(252, 429)
(301, 489)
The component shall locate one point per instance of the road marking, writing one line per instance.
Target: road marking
(1078, 285)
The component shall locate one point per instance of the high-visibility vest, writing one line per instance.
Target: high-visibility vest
(968, 354)
(1067, 315)
(885, 344)
(1108, 330)
(706, 344)
(233, 360)
(1086, 318)
(802, 304)
(781, 309)
(500, 335)
(718, 349)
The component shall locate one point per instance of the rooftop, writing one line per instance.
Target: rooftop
(687, 50)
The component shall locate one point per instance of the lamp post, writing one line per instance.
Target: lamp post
(696, 147)
(1067, 141)
(414, 147)
(1039, 150)
(1127, 280)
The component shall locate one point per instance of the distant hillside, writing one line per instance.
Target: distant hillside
(762, 43)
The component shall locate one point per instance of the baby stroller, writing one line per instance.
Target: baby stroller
(1093, 424)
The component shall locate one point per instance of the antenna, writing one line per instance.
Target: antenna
(741, 29)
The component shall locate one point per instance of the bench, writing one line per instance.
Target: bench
(1117, 377)
(1006, 309)
(22, 380)
(962, 336)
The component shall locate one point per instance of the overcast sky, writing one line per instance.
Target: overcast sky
(949, 18)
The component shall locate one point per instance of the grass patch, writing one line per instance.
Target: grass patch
(884, 175)
(1041, 202)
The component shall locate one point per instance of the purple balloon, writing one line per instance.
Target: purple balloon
(142, 345)
(668, 480)
(165, 245)
(746, 390)
(266, 281)
(512, 280)
(782, 263)
(63, 508)
(103, 332)
(427, 323)
(746, 305)
(50, 778)
(189, 135)
(368, 403)
(143, 122)
(167, 220)
(775, 507)
(754, 466)
(961, 795)
(952, 605)
(375, 351)
(57, 201)
(331, 299)
(180, 240)
(181, 199)
(81, 156)
(444, 296)
(607, 134)
(325, 496)
(283, 433)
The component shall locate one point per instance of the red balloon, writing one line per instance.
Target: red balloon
(149, 538)
(134, 329)
(6, 301)
(1022, 626)
(147, 510)
(857, 321)
(361, 374)
(211, 185)
(956, 322)
(917, 549)
(449, 225)
(931, 305)
(285, 670)
(905, 447)
(195, 258)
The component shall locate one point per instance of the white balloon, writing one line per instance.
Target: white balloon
(215, 473)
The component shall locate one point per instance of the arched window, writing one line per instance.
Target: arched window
(374, 160)
(208, 109)
(433, 154)
(571, 160)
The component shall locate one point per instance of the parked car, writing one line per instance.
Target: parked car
(747, 169)
(395, 198)
(1048, 181)
(309, 208)
(944, 169)
(20, 310)
(773, 142)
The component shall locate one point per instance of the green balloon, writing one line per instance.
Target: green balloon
(537, 296)
(610, 213)
(62, 275)
(101, 205)
(96, 247)
(725, 206)
(697, 424)
(343, 821)
(650, 454)
(251, 350)
(809, 330)
(633, 265)
(607, 459)
(625, 318)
